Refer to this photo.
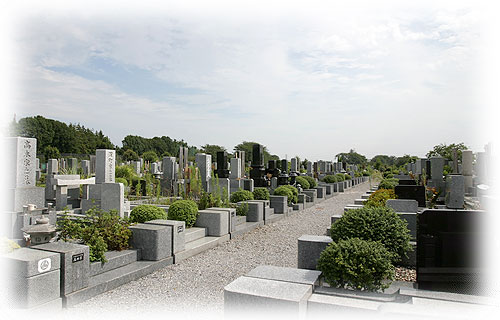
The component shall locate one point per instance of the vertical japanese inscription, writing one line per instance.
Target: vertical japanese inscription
(26, 161)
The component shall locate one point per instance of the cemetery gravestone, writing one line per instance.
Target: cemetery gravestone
(411, 192)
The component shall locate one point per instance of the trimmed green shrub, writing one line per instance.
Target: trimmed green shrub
(184, 210)
(357, 264)
(303, 182)
(147, 212)
(340, 177)
(379, 198)
(284, 191)
(122, 180)
(241, 195)
(330, 179)
(295, 193)
(374, 224)
(261, 194)
(312, 182)
(388, 183)
(348, 176)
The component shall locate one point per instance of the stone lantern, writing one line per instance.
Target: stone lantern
(41, 232)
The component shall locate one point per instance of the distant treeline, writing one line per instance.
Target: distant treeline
(55, 137)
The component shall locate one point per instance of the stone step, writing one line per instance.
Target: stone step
(116, 259)
(352, 206)
(365, 196)
(114, 278)
(194, 233)
(245, 227)
(198, 246)
(240, 220)
(359, 201)
(273, 218)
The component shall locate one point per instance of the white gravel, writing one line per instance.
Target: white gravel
(198, 283)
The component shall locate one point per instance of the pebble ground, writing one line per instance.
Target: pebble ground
(198, 283)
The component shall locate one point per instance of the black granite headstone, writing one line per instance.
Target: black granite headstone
(448, 247)
(222, 170)
(258, 171)
(411, 192)
(407, 183)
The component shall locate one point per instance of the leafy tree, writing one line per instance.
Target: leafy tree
(212, 149)
(383, 159)
(401, 161)
(446, 151)
(352, 157)
(150, 156)
(130, 155)
(159, 145)
(247, 146)
(51, 153)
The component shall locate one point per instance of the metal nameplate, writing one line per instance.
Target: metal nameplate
(77, 257)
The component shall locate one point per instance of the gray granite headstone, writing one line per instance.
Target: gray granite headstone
(105, 166)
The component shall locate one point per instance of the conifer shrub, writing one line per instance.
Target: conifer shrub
(184, 210)
(389, 183)
(356, 264)
(379, 198)
(374, 224)
(347, 176)
(303, 182)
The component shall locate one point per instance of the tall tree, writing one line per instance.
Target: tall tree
(212, 149)
(446, 151)
(352, 157)
(247, 146)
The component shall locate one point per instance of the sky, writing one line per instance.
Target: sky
(309, 80)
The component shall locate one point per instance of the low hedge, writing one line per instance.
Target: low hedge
(379, 198)
(312, 181)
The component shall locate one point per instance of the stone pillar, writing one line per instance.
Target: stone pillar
(105, 166)
(235, 168)
(203, 162)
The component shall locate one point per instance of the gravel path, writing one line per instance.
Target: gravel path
(198, 283)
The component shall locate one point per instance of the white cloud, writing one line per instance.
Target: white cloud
(297, 74)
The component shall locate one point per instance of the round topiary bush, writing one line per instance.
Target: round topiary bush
(379, 198)
(312, 181)
(357, 264)
(374, 224)
(303, 182)
(122, 180)
(184, 210)
(261, 194)
(241, 195)
(388, 183)
(330, 179)
(284, 191)
(347, 176)
(295, 193)
(147, 212)
(340, 177)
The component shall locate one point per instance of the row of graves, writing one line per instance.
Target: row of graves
(48, 273)
(446, 238)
